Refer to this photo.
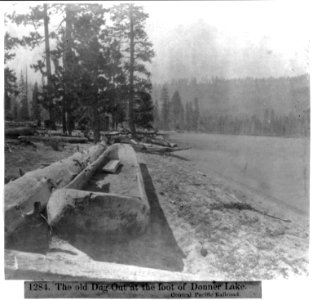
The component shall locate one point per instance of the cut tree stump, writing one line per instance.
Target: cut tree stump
(37, 185)
(64, 139)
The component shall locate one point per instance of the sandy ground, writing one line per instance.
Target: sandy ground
(28, 157)
(222, 232)
(199, 224)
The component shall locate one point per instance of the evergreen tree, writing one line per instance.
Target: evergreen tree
(23, 99)
(101, 80)
(10, 91)
(196, 115)
(189, 116)
(35, 105)
(142, 109)
(176, 111)
(156, 115)
(129, 27)
(10, 80)
(38, 17)
(165, 108)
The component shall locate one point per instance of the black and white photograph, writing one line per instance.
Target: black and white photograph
(156, 141)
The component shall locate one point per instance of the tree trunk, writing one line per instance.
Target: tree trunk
(48, 62)
(67, 70)
(131, 76)
(64, 116)
(96, 124)
(37, 186)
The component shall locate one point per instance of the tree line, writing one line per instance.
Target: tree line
(271, 106)
(94, 63)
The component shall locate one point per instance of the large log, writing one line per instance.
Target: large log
(63, 139)
(18, 131)
(120, 211)
(114, 215)
(37, 186)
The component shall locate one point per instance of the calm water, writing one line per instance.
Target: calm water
(277, 168)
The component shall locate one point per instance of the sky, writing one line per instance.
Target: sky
(204, 39)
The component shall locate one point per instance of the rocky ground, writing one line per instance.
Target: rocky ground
(213, 230)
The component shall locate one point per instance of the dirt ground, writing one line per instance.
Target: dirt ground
(28, 157)
(222, 232)
(199, 224)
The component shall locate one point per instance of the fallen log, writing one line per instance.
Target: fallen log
(18, 131)
(20, 124)
(63, 139)
(36, 186)
(160, 142)
(156, 142)
(157, 149)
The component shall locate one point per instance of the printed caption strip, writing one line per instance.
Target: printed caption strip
(98, 289)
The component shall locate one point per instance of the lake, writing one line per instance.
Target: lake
(276, 168)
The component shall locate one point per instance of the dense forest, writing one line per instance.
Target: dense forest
(95, 75)
(93, 67)
(263, 106)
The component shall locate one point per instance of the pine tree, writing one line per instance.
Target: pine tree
(196, 115)
(129, 22)
(38, 17)
(176, 111)
(156, 115)
(23, 99)
(165, 108)
(187, 116)
(142, 109)
(101, 81)
(35, 105)
(10, 91)
(10, 80)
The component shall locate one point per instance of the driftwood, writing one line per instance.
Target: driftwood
(18, 131)
(37, 186)
(63, 139)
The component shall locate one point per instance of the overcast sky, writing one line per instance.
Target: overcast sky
(226, 39)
